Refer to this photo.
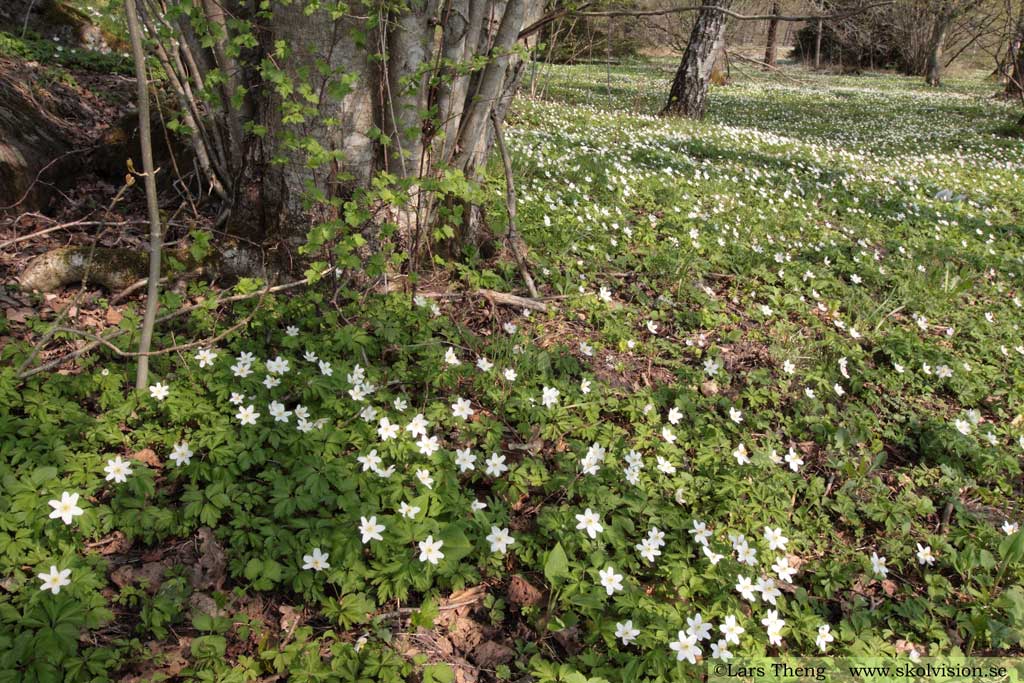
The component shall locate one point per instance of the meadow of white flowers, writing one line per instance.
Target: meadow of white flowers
(774, 407)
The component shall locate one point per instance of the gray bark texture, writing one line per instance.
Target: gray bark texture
(936, 48)
(273, 206)
(431, 117)
(689, 93)
(1015, 69)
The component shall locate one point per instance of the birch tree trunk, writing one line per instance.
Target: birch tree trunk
(688, 96)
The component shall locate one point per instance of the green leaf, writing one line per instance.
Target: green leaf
(426, 615)
(1012, 548)
(209, 647)
(557, 564)
(438, 673)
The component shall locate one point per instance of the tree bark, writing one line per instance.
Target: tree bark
(155, 232)
(408, 47)
(318, 111)
(1015, 69)
(487, 89)
(817, 44)
(462, 21)
(936, 46)
(688, 96)
(770, 50)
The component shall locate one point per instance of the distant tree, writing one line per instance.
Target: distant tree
(944, 13)
(1015, 60)
(915, 37)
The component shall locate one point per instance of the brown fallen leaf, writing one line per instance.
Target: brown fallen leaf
(115, 543)
(522, 592)
(201, 603)
(464, 671)
(290, 618)
(18, 315)
(146, 455)
(113, 316)
(208, 571)
(148, 575)
(465, 634)
(489, 654)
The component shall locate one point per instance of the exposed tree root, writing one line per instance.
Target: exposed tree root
(118, 269)
(113, 269)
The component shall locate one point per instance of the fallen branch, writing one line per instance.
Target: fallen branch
(46, 231)
(735, 15)
(139, 284)
(492, 296)
(402, 611)
(771, 67)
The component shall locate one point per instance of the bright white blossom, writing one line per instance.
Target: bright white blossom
(500, 540)
(430, 550)
(182, 454)
(317, 560)
(66, 509)
(205, 357)
(685, 647)
(117, 470)
(878, 565)
(625, 631)
(590, 522)
(55, 579)
(247, 415)
(610, 581)
(370, 529)
(824, 637)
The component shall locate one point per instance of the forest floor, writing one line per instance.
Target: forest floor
(778, 384)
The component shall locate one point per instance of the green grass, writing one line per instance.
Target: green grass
(801, 268)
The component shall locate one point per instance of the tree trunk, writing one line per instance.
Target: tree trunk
(317, 143)
(1015, 68)
(409, 42)
(770, 49)
(335, 98)
(688, 96)
(462, 22)
(936, 45)
(817, 45)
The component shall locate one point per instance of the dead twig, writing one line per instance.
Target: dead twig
(493, 297)
(99, 340)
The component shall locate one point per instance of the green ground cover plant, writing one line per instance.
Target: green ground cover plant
(773, 408)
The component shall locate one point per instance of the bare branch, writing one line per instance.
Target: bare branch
(736, 15)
